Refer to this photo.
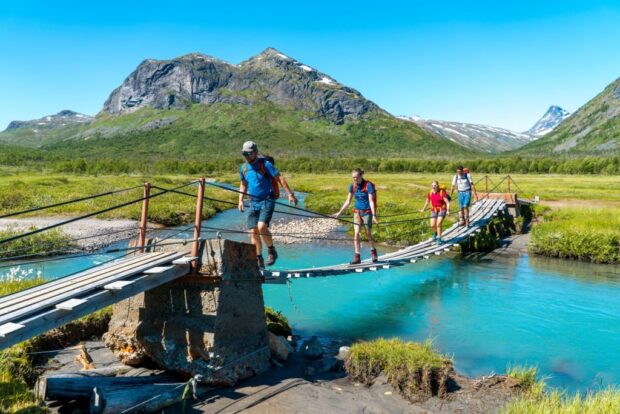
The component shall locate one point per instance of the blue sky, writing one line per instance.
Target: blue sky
(496, 62)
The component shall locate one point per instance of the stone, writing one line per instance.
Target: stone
(279, 347)
(311, 348)
(331, 364)
(309, 371)
(343, 353)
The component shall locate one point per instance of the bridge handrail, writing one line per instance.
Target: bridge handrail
(84, 216)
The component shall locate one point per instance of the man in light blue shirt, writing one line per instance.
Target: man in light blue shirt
(260, 180)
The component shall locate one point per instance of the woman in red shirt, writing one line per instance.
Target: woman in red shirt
(440, 208)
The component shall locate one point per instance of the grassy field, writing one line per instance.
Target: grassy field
(588, 234)
(21, 191)
(398, 194)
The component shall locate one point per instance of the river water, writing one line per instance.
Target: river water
(488, 313)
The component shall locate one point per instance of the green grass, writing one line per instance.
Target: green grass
(534, 398)
(556, 402)
(277, 323)
(587, 234)
(414, 369)
(527, 379)
(41, 243)
(27, 190)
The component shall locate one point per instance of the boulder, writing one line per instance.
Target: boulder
(311, 348)
(343, 352)
(279, 347)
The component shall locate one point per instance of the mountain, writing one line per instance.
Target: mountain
(197, 106)
(594, 129)
(549, 120)
(270, 76)
(50, 127)
(484, 138)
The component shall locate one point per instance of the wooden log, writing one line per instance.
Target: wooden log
(80, 385)
(131, 399)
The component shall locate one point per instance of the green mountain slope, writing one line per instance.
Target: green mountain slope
(592, 130)
(219, 129)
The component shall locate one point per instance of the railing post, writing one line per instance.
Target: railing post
(486, 184)
(508, 182)
(144, 217)
(198, 223)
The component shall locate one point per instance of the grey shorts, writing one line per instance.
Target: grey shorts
(435, 214)
(366, 219)
(260, 211)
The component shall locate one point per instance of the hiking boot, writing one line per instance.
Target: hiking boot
(439, 240)
(261, 262)
(272, 256)
(356, 259)
(373, 255)
(434, 236)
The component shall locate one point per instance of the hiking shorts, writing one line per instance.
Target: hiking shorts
(464, 199)
(260, 211)
(440, 213)
(365, 217)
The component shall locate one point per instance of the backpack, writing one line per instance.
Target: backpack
(275, 183)
(442, 188)
(365, 190)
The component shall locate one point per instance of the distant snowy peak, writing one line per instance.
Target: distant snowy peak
(62, 118)
(548, 122)
(480, 137)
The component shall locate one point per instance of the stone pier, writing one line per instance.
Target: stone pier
(211, 323)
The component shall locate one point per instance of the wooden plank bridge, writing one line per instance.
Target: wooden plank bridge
(481, 213)
(36, 310)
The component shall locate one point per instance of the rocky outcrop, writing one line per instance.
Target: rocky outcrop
(270, 76)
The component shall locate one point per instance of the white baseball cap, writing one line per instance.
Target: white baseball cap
(249, 146)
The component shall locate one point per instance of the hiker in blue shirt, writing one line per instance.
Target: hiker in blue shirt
(364, 213)
(261, 180)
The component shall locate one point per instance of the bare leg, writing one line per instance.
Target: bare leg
(371, 239)
(434, 225)
(255, 238)
(265, 233)
(466, 214)
(356, 239)
(438, 226)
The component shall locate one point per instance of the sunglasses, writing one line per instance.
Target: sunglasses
(247, 153)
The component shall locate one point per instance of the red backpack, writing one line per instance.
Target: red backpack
(275, 183)
(364, 189)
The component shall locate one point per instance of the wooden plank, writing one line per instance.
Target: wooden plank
(118, 285)
(157, 269)
(50, 317)
(17, 311)
(9, 327)
(54, 284)
(184, 260)
(70, 304)
(71, 286)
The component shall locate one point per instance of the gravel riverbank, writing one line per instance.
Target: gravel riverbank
(90, 233)
(299, 231)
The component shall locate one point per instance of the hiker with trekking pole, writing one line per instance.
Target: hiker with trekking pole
(364, 213)
(261, 180)
(463, 182)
